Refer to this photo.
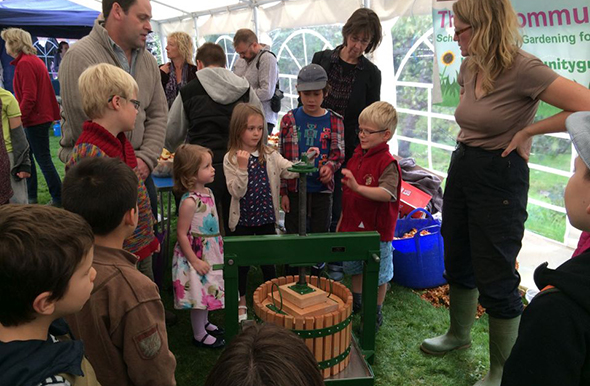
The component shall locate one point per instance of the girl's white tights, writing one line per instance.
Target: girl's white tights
(199, 319)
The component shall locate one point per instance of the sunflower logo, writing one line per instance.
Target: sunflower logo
(448, 58)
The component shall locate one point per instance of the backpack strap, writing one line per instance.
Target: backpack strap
(259, 56)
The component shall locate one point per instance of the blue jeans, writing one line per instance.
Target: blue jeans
(38, 137)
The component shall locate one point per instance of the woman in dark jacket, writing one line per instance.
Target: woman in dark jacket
(180, 70)
(355, 83)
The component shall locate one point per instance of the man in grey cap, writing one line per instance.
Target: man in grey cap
(556, 324)
(307, 126)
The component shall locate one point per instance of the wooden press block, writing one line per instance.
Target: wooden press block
(302, 301)
(328, 306)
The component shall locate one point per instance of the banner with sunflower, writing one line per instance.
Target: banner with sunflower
(558, 33)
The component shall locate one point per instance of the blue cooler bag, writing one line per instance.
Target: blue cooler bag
(418, 262)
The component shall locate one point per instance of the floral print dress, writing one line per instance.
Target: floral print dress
(191, 290)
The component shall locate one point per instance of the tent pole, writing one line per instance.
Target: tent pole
(162, 42)
(196, 31)
(256, 20)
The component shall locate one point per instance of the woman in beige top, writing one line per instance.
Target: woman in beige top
(485, 199)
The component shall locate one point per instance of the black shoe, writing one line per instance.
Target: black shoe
(356, 307)
(378, 322)
(170, 317)
(219, 342)
(215, 333)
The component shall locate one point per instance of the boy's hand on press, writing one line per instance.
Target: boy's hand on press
(349, 180)
(312, 153)
(325, 174)
(202, 267)
(285, 204)
(243, 157)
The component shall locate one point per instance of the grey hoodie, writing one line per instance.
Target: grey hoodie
(222, 85)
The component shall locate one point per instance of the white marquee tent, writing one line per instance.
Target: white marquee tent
(226, 16)
(200, 18)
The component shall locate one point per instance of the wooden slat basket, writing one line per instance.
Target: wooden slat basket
(327, 336)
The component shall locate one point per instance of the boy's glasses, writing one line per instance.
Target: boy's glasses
(135, 102)
(368, 132)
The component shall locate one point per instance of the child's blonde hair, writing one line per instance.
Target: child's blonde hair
(187, 161)
(99, 83)
(381, 115)
(239, 124)
(18, 40)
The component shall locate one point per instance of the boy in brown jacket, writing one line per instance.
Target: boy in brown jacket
(122, 325)
(45, 274)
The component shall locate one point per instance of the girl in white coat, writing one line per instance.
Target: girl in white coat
(253, 173)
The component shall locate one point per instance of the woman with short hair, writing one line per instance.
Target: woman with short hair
(354, 84)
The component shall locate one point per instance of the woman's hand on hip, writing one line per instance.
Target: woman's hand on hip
(521, 142)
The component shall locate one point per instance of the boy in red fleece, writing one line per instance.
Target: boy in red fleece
(370, 195)
(109, 100)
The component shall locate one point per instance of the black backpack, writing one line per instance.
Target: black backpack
(275, 101)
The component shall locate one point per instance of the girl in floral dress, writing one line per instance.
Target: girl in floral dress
(196, 285)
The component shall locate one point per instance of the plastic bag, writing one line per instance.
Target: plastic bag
(418, 262)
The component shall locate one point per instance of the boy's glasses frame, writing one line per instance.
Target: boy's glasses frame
(135, 102)
(369, 132)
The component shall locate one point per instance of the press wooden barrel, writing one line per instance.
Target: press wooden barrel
(327, 336)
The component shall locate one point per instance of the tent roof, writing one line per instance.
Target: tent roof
(51, 18)
(227, 16)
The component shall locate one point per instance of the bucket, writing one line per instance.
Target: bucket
(418, 261)
(57, 129)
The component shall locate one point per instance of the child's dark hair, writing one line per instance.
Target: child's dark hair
(40, 249)
(101, 190)
(266, 355)
(211, 54)
(187, 161)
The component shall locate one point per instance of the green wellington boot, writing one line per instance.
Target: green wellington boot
(462, 313)
(503, 333)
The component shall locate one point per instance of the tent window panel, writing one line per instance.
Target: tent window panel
(412, 126)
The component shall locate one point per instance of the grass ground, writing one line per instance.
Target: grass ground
(399, 362)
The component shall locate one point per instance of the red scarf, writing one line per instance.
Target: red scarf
(115, 147)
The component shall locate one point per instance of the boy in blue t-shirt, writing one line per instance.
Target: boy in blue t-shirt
(307, 126)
